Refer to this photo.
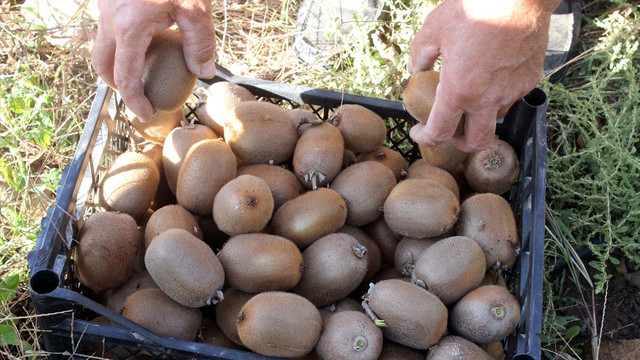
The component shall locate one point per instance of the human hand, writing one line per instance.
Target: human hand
(125, 31)
(492, 54)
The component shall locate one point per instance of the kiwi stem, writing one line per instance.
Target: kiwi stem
(359, 343)
(367, 310)
(219, 296)
(359, 250)
(334, 119)
(498, 312)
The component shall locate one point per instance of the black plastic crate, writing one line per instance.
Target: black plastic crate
(64, 309)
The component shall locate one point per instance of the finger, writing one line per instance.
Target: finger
(102, 59)
(479, 131)
(198, 39)
(128, 69)
(424, 48)
(444, 117)
(419, 134)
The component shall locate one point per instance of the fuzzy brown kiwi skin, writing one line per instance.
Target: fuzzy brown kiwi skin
(489, 220)
(445, 155)
(408, 252)
(421, 208)
(243, 205)
(130, 184)
(166, 79)
(107, 249)
(211, 334)
(283, 183)
(362, 129)
(318, 155)
(209, 162)
(487, 314)
(175, 148)
(156, 311)
(413, 316)
(310, 216)
(280, 324)
(494, 169)
(221, 97)
(185, 268)
(334, 266)
(260, 133)
(452, 347)
(450, 276)
(389, 157)
(169, 217)
(395, 351)
(364, 198)
(349, 335)
(423, 170)
(259, 262)
(344, 304)
(386, 239)
(373, 256)
(227, 311)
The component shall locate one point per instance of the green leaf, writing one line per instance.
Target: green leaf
(572, 332)
(614, 261)
(8, 287)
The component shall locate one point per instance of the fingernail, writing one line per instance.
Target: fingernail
(208, 70)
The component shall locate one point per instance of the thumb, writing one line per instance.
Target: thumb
(198, 39)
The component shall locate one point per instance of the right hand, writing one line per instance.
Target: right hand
(125, 32)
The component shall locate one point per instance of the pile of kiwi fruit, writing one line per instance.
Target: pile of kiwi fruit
(271, 230)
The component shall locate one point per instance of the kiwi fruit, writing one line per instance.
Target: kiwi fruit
(348, 159)
(453, 347)
(318, 155)
(494, 349)
(211, 334)
(185, 268)
(106, 252)
(349, 335)
(302, 119)
(281, 324)
(486, 314)
(344, 304)
(494, 169)
(492, 277)
(310, 216)
(408, 251)
(159, 126)
(421, 208)
(171, 217)
(373, 256)
(420, 92)
(412, 315)
(227, 311)
(153, 309)
(364, 187)
(208, 166)
(445, 156)
(259, 262)
(175, 148)
(489, 220)
(164, 195)
(243, 205)
(334, 266)
(450, 268)
(395, 351)
(424, 170)
(393, 159)
(220, 98)
(129, 184)
(386, 239)
(362, 129)
(260, 132)
(137, 281)
(283, 183)
(419, 95)
(166, 79)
